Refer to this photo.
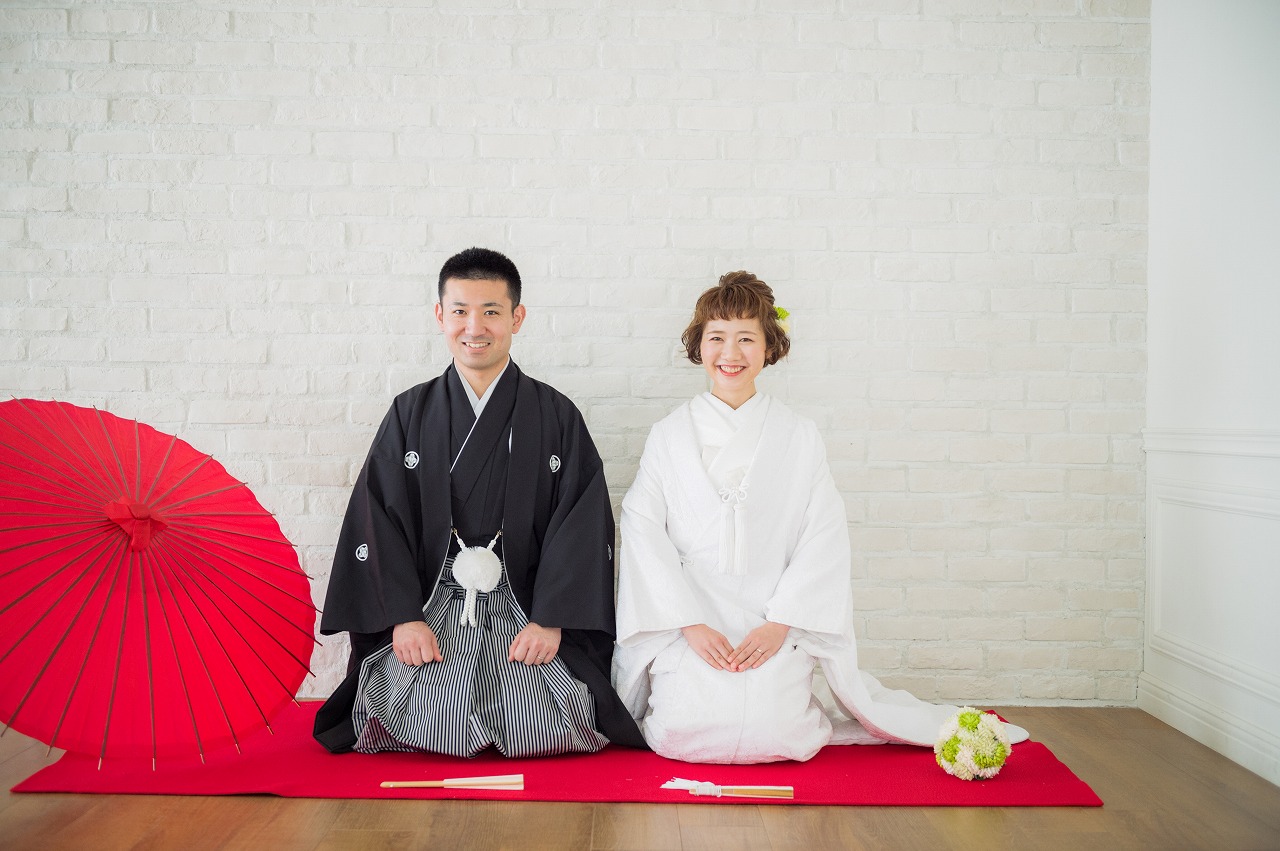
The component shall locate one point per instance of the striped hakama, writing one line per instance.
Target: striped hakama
(474, 697)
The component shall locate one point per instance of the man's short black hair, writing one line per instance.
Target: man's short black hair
(481, 264)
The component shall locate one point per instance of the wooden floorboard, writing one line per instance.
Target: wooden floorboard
(1160, 789)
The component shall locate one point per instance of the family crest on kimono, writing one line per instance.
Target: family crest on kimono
(474, 570)
(735, 583)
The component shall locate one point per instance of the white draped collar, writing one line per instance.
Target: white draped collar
(728, 439)
(716, 425)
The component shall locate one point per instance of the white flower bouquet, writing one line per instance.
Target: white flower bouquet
(972, 744)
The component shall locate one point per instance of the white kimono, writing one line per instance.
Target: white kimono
(733, 520)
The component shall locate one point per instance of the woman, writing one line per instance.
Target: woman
(735, 577)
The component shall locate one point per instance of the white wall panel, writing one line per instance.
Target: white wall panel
(1212, 662)
(1212, 654)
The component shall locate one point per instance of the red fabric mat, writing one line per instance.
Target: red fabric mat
(291, 764)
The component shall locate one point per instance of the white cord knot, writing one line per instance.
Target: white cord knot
(476, 569)
(733, 530)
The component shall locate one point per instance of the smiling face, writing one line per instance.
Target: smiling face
(478, 322)
(733, 353)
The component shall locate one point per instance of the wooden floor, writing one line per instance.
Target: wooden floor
(1161, 791)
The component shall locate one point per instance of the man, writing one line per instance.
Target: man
(454, 650)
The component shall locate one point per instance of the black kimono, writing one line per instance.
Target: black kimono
(549, 498)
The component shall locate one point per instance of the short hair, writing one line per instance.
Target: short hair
(737, 295)
(481, 264)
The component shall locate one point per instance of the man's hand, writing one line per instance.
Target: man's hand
(713, 647)
(535, 645)
(415, 644)
(759, 646)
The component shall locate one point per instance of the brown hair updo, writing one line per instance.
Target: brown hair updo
(738, 295)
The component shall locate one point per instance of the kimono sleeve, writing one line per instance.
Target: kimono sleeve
(653, 594)
(375, 582)
(814, 593)
(573, 588)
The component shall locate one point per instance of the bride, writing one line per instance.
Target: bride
(734, 584)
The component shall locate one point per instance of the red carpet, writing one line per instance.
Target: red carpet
(291, 764)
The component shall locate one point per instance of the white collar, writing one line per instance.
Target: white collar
(729, 412)
(478, 402)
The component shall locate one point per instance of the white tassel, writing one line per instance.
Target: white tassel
(726, 539)
(476, 569)
(693, 787)
(733, 537)
(739, 540)
(704, 788)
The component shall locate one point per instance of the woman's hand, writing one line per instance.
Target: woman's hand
(713, 647)
(415, 644)
(758, 647)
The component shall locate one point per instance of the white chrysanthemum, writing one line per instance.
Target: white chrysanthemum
(972, 744)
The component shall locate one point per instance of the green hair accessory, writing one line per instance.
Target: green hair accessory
(783, 316)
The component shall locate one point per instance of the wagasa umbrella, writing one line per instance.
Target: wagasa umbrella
(149, 605)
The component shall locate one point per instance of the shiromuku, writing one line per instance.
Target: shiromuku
(735, 583)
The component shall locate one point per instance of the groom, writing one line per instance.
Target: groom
(482, 454)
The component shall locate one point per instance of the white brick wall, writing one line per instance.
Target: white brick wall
(224, 218)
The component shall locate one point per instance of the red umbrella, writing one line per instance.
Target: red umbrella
(149, 605)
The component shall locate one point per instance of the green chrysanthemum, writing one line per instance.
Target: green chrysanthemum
(950, 749)
(990, 753)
